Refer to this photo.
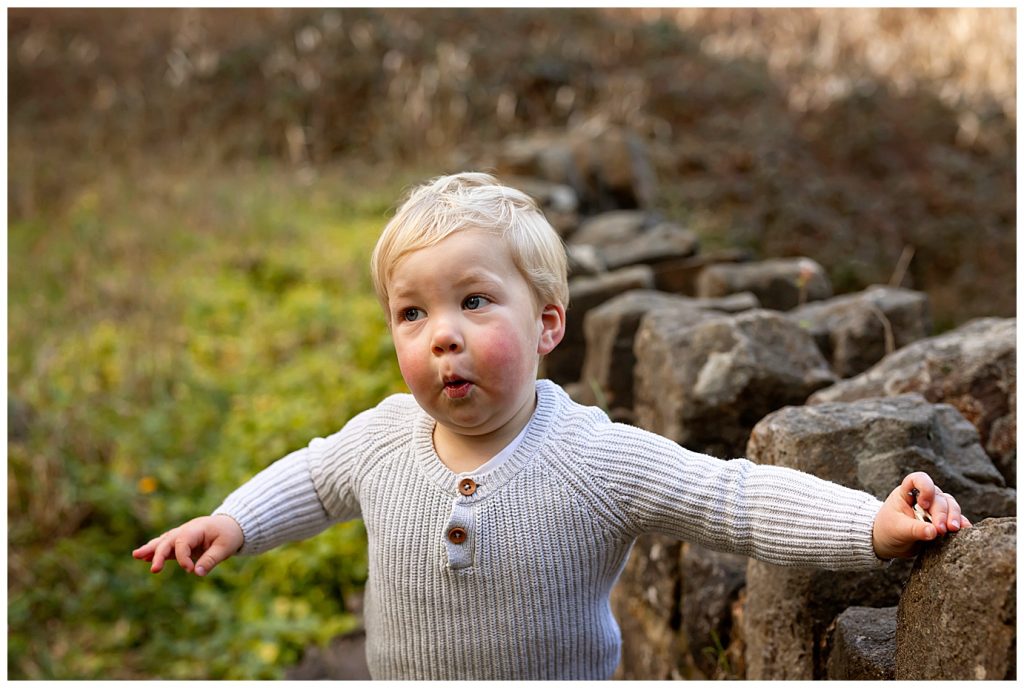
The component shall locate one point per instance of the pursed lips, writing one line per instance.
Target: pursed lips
(456, 387)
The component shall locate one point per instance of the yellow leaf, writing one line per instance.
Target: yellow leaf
(268, 652)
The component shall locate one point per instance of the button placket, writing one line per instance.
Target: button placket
(460, 530)
(458, 535)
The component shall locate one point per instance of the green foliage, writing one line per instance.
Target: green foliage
(168, 337)
(716, 653)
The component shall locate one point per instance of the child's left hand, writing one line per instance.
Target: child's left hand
(897, 531)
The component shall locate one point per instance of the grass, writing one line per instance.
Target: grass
(170, 334)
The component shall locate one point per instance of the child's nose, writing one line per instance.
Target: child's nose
(446, 339)
(451, 347)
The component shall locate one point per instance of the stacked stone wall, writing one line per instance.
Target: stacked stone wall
(733, 356)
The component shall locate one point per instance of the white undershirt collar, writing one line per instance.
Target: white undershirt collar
(502, 456)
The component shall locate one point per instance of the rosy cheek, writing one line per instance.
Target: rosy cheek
(411, 367)
(503, 355)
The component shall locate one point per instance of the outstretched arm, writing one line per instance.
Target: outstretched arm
(278, 505)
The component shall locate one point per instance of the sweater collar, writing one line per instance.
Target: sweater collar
(491, 481)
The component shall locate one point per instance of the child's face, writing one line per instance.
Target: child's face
(469, 333)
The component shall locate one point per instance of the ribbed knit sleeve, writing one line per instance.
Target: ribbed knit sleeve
(300, 495)
(774, 514)
(334, 464)
(278, 505)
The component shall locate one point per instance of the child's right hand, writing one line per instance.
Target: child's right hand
(212, 539)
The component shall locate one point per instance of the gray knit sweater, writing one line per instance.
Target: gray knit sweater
(523, 592)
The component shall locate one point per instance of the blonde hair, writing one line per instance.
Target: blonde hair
(474, 200)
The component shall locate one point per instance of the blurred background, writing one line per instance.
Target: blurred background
(193, 196)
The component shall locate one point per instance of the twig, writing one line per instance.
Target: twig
(890, 340)
(901, 266)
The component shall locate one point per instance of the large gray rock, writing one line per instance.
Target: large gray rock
(662, 242)
(973, 368)
(565, 363)
(544, 155)
(646, 603)
(679, 275)
(614, 168)
(869, 445)
(710, 593)
(558, 202)
(584, 260)
(788, 613)
(780, 284)
(872, 444)
(734, 303)
(855, 331)
(610, 329)
(674, 605)
(957, 618)
(864, 645)
(613, 227)
(704, 381)
(632, 237)
(608, 167)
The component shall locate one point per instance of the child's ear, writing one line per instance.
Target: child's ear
(552, 321)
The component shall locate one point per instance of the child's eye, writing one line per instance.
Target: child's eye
(411, 314)
(476, 301)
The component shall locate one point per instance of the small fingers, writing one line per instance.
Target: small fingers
(923, 531)
(946, 515)
(218, 552)
(954, 518)
(160, 554)
(183, 553)
(942, 508)
(939, 511)
(145, 552)
(922, 482)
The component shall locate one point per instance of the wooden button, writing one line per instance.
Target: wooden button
(457, 536)
(467, 486)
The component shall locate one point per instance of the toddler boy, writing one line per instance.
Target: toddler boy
(499, 513)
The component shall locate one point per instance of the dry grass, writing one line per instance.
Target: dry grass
(306, 85)
(967, 54)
